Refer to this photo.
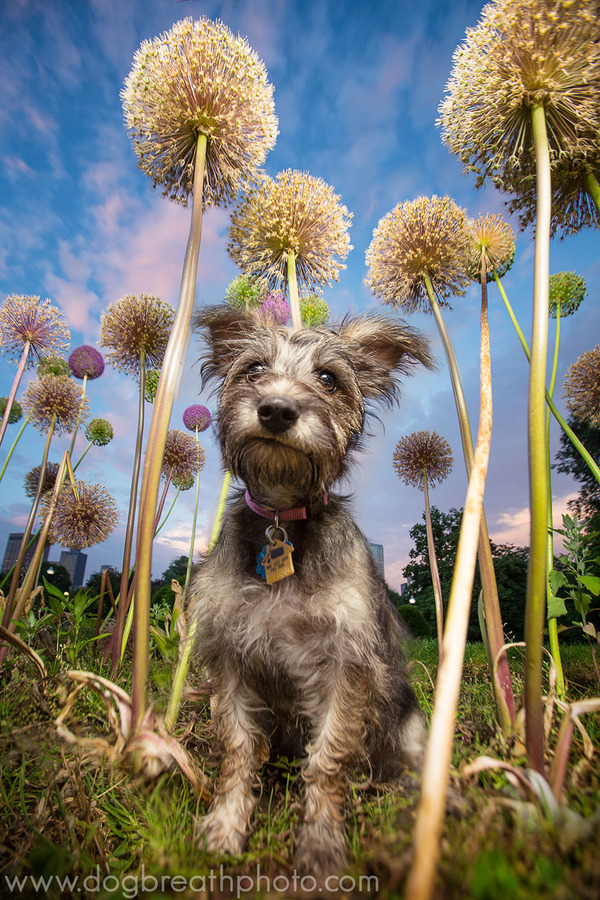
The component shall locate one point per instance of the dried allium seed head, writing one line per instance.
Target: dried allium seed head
(86, 361)
(133, 327)
(99, 432)
(32, 479)
(15, 411)
(198, 78)
(573, 206)
(196, 417)
(313, 311)
(420, 455)
(522, 54)
(492, 239)
(426, 237)
(274, 307)
(83, 519)
(53, 365)
(582, 387)
(183, 456)
(29, 320)
(58, 399)
(294, 213)
(567, 291)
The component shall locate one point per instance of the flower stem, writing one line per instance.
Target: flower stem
(503, 690)
(80, 410)
(163, 405)
(293, 289)
(538, 484)
(593, 188)
(194, 520)
(435, 574)
(220, 510)
(426, 843)
(14, 444)
(169, 511)
(13, 391)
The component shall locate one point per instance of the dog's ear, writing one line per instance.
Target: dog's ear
(384, 347)
(226, 331)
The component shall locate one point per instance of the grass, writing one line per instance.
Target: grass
(88, 830)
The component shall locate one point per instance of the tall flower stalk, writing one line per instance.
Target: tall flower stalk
(200, 111)
(86, 363)
(15, 414)
(29, 329)
(417, 258)
(424, 459)
(135, 331)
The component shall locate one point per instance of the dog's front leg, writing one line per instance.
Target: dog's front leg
(338, 715)
(243, 750)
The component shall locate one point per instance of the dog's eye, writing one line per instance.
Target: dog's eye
(327, 381)
(254, 372)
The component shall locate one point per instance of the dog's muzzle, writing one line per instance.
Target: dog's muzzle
(277, 413)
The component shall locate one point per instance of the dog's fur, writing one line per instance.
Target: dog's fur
(312, 664)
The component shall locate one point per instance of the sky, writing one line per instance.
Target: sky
(357, 88)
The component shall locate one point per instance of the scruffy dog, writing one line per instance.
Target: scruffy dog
(305, 655)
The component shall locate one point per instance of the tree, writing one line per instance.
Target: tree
(510, 564)
(569, 461)
(176, 569)
(57, 575)
(95, 580)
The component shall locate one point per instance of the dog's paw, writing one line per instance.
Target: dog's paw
(216, 833)
(321, 853)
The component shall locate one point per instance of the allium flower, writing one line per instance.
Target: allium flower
(99, 432)
(197, 78)
(422, 455)
(183, 482)
(582, 387)
(28, 322)
(275, 307)
(82, 518)
(133, 327)
(523, 54)
(567, 292)
(58, 399)
(15, 411)
(244, 293)
(314, 311)
(196, 417)
(574, 177)
(494, 239)
(419, 239)
(86, 362)
(32, 479)
(295, 213)
(53, 365)
(151, 385)
(183, 456)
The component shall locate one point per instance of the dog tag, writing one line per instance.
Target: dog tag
(274, 562)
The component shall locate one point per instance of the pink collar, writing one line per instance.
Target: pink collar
(286, 515)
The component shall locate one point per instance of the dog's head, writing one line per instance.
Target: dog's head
(293, 403)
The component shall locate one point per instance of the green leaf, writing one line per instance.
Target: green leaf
(557, 580)
(556, 607)
(591, 582)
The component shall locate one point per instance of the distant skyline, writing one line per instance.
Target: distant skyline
(357, 88)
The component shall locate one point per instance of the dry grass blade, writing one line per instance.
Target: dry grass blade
(24, 648)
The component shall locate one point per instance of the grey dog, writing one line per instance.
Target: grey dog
(295, 629)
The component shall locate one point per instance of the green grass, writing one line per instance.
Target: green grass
(65, 816)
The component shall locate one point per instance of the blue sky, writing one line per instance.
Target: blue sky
(357, 88)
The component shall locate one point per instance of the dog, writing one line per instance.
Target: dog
(294, 626)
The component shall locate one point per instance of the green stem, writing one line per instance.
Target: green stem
(535, 608)
(177, 492)
(220, 510)
(593, 188)
(81, 458)
(194, 520)
(117, 638)
(591, 463)
(163, 405)
(503, 691)
(14, 444)
(13, 391)
(80, 410)
(293, 290)
(435, 574)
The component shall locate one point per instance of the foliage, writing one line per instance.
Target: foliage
(94, 582)
(415, 620)
(569, 461)
(510, 564)
(56, 575)
(175, 570)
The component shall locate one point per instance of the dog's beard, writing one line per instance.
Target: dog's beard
(278, 474)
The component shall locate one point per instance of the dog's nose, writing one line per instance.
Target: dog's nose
(277, 414)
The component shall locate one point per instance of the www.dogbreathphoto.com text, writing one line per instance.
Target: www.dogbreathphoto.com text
(215, 882)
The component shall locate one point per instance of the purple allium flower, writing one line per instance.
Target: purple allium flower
(86, 360)
(197, 417)
(275, 306)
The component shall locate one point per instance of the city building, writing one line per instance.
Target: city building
(12, 551)
(377, 551)
(74, 562)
